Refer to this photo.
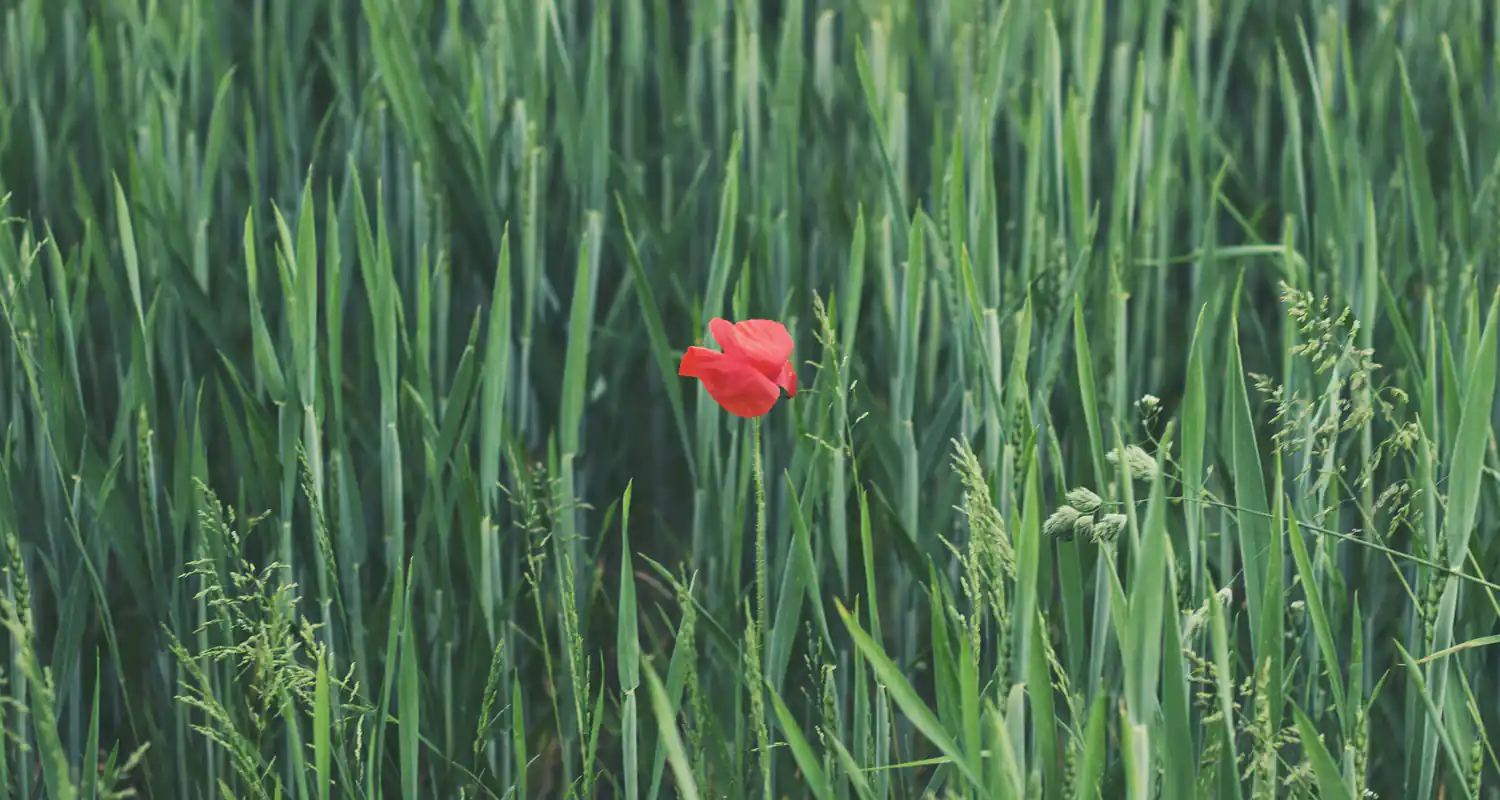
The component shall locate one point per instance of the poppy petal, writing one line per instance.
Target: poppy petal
(764, 337)
(788, 379)
(731, 382)
(723, 332)
(763, 341)
(693, 360)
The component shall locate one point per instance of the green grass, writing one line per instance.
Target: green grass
(1145, 447)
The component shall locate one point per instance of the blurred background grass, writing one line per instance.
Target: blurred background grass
(1148, 354)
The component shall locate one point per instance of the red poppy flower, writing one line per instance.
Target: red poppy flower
(745, 377)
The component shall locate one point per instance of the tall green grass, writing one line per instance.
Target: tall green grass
(1145, 445)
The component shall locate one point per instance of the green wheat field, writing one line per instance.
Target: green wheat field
(1143, 448)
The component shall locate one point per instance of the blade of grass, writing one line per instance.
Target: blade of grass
(907, 698)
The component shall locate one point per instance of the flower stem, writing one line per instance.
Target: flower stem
(761, 619)
(760, 540)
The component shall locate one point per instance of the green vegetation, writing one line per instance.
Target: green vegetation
(1144, 449)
